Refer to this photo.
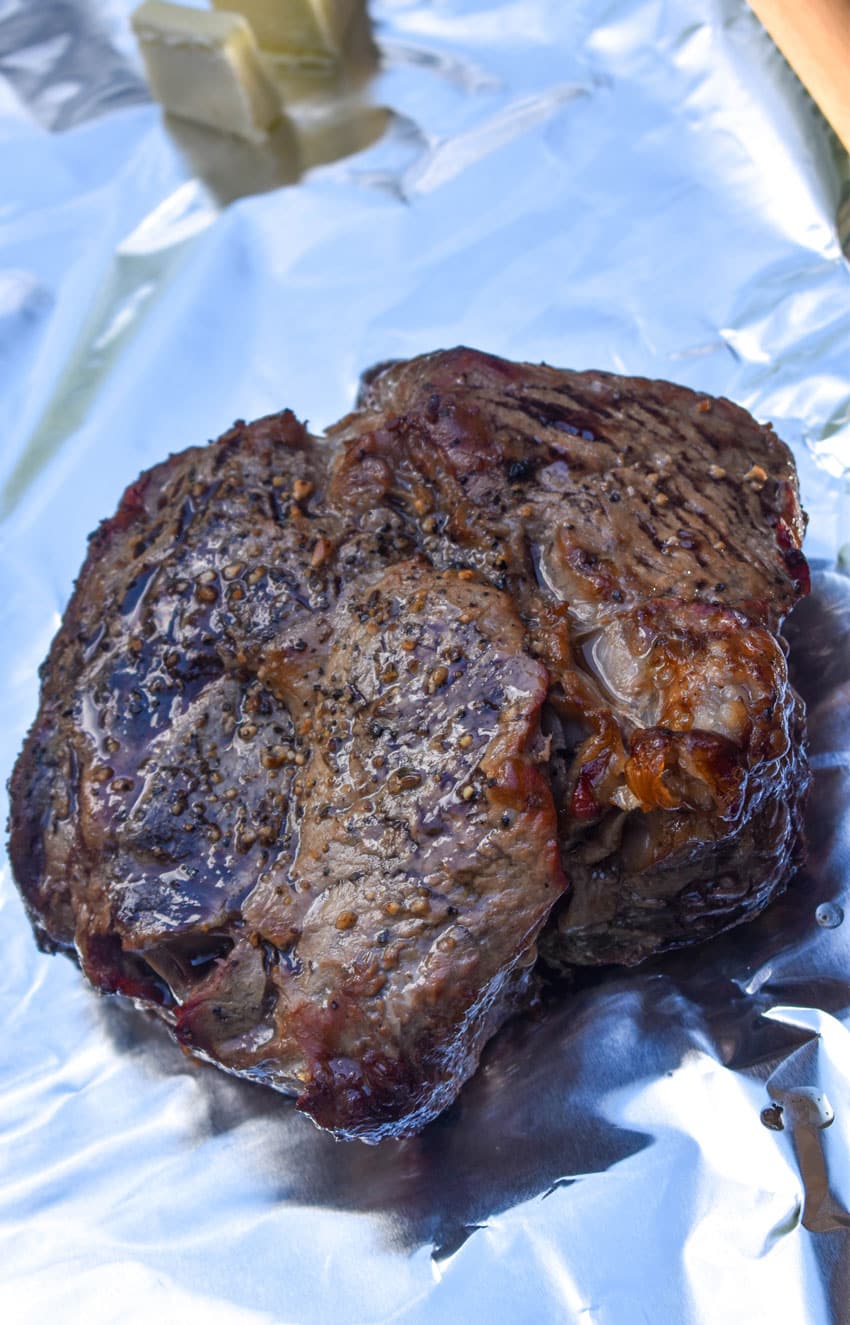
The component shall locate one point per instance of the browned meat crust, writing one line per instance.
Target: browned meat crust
(329, 724)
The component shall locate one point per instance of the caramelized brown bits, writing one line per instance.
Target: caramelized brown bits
(438, 677)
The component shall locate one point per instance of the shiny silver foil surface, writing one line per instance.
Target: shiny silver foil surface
(636, 185)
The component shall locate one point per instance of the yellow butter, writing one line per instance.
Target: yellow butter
(341, 132)
(326, 82)
(232, 168)
(297, 29)
(206, 67)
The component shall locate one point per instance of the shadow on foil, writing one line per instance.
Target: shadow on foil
(540, 1113)
(527, 1123)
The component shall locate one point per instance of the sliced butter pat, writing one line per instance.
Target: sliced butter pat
(297, 29)
(325, 82)
(232, 168)
(206, 67)
(347, 129)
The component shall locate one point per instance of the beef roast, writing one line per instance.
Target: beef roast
(336, 733)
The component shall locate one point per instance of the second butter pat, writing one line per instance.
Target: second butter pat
(297, 29)
(206, 67)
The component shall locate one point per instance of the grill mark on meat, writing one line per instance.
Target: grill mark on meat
(565, 417)
(326, 722)
(646, 528)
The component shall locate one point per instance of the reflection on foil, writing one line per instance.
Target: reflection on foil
(455, 154)
(65, 60)
(470, 77)
(142, 268)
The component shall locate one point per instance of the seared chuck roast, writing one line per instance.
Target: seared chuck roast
(336, 732)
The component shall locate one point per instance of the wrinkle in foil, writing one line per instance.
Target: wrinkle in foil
(637, 185)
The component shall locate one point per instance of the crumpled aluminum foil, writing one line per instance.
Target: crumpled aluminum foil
(638, 185)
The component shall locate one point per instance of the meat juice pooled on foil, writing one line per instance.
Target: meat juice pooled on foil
(339, 734)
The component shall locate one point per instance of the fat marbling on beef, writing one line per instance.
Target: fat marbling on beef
(338, 735)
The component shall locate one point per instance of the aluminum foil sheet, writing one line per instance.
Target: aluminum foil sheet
(639, 185)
